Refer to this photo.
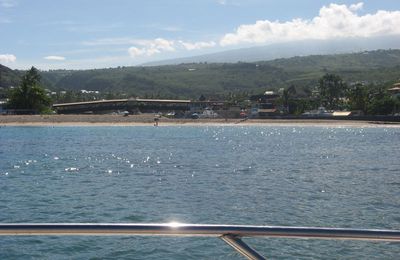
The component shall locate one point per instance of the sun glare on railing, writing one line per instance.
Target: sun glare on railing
(175, 224)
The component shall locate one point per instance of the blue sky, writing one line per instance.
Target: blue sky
(76, 34)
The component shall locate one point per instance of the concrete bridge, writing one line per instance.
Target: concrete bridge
(131, 105)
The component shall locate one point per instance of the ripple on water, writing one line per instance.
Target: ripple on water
(256, 175)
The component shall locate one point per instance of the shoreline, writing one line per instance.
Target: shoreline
(148, 120)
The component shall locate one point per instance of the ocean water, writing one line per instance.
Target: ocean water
(249, 175)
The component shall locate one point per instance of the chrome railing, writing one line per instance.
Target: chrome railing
(231, 234)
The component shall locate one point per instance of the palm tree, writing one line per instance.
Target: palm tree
(358, 97)
(29, 95)
(286, 95)
(331, 88)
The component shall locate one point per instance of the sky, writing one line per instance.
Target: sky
(87, 34)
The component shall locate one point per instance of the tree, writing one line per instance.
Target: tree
(331, 89)
(29, 95)
(358, 97)
(286, 96)
(380, 103)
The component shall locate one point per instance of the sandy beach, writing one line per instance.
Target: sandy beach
(148, 119)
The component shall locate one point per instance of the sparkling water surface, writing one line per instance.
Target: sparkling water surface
(248, 175)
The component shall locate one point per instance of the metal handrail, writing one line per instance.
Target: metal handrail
(231, 234)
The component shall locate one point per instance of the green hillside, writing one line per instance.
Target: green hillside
(8, 77)
(380, 67)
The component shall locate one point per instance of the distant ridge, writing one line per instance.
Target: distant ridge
(8, 77)
(290, 49)
(219, 80)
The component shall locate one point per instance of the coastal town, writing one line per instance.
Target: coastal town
(332, 98)
(218, 129)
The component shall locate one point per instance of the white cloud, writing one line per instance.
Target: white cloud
(358, 6)
(5, 20)
(151, 47)
(56, 58)
(135, 52)
(85, 28)
(8, 3)
(7, 58)
(162, 44)
(333, 21)
(197, 45)
(228, 2)
(115, 41)
(171, 29)
(80, 63)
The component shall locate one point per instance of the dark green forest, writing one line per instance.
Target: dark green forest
(379, 68)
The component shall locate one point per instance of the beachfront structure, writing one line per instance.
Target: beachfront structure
(2, 106)
(395, 90)
(136, 105)
(131, 105)
(264, 105)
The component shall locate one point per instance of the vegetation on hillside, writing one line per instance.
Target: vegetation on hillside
(8, 77)
(29, 96)
(221, 80)
(357, 78)
(334, 94)
(331, 90)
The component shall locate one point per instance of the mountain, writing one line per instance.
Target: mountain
(8, 77)
(218, 80)
(291, 49)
